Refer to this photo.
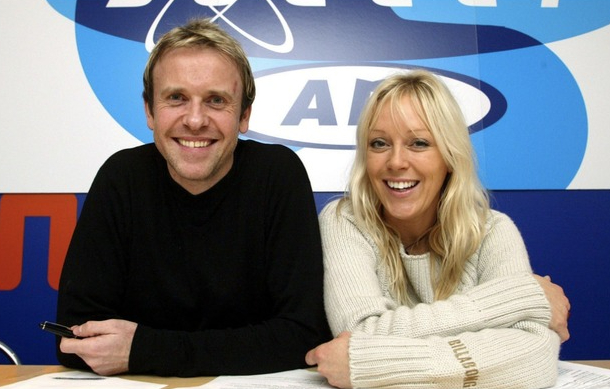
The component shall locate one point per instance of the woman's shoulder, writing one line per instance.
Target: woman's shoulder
(335, 208)
(500, 227)
(497, 218)
(337, 219)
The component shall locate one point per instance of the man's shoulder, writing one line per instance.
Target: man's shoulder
(268, 153)
(133, 157)
(270, 165)
(256, 147)
(137, 152)
(124, 165)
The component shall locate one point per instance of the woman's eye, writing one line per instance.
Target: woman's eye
(377, 143)
(420, 143)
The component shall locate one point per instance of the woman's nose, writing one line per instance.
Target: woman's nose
(399, 158)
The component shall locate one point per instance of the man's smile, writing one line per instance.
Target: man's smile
(194, 144)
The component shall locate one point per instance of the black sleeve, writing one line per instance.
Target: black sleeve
(91, 283)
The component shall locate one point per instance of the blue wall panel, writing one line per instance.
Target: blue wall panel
(567, 234)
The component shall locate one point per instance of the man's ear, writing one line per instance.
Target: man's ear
(244, 121)
(149, 115)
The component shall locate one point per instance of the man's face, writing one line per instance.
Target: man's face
(195, 116)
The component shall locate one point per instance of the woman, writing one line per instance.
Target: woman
(425, 285)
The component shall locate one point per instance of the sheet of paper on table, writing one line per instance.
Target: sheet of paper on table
(292, 379)
(571, 376)
(574, 375)
(79, 379)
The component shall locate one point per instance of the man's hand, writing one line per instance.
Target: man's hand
(105, 345)
(560, 306)
(332, 359)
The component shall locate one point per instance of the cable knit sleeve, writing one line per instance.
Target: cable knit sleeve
(523, 356)
(357, 293)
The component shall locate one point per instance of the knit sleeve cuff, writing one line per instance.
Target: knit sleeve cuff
(507, 300)
(152, 353)
(384, 361)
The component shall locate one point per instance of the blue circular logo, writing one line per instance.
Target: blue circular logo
(534, 136)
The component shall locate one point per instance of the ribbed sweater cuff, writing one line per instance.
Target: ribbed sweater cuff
(508, 300)
(393, 362)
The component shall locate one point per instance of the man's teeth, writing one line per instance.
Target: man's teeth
(401, 185)
(194, 144)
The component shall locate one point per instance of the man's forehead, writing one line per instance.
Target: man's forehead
(172, 58)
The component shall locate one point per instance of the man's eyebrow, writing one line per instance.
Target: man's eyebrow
(171, 89)
(212, 92)
(219, 92)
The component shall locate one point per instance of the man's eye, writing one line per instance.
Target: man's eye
(216, 100)
(175, 97)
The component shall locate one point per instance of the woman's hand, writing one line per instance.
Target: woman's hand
(332, 359)
(560, 306)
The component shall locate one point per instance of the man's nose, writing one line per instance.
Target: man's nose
(196, 117)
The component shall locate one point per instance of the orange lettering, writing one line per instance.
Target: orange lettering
(14, 208)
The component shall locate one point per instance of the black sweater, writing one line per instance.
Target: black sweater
(225, 282)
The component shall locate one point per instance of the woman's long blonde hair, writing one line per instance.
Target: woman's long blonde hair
(464, 203)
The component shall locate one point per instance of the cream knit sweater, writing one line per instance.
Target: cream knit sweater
(492, 333)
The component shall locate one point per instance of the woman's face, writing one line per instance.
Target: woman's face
(406, 170)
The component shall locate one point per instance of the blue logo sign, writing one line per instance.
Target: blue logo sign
(531, 136)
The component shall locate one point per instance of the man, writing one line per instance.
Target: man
(199, 254)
